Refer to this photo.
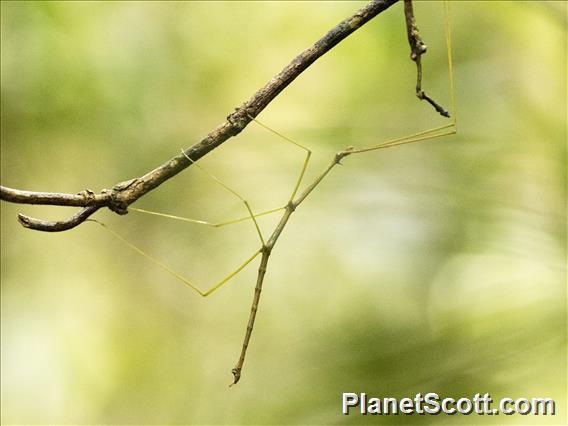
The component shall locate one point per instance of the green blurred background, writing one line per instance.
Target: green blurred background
(435, 267)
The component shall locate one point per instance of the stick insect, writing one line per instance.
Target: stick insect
(299, 194)
(300, 190)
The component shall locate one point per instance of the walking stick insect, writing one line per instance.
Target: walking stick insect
(418, 48)
(298, 195)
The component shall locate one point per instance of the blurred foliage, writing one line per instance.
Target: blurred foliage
(436, 267)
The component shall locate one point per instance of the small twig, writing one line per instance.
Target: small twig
(82, 199)
(417, 49)
(58, 226)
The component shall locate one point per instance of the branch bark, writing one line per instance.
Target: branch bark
(125, 193)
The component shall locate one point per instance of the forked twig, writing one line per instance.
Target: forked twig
(417, 49)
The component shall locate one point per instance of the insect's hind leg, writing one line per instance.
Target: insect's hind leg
(163, 266)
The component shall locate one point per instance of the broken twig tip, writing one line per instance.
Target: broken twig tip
(24, 220)
(237, 373)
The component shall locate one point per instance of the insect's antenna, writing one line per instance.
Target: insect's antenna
(293, 142)
(448, 28)
(447, 129)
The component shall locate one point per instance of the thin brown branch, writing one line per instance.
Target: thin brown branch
(417, 49)
(83, 199)
(125, 193)
(58, 226)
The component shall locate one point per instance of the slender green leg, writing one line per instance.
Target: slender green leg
(166, 268)
(203, 222)
(232, 191)
(170, 271)
(289, 140)
(250, 216)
